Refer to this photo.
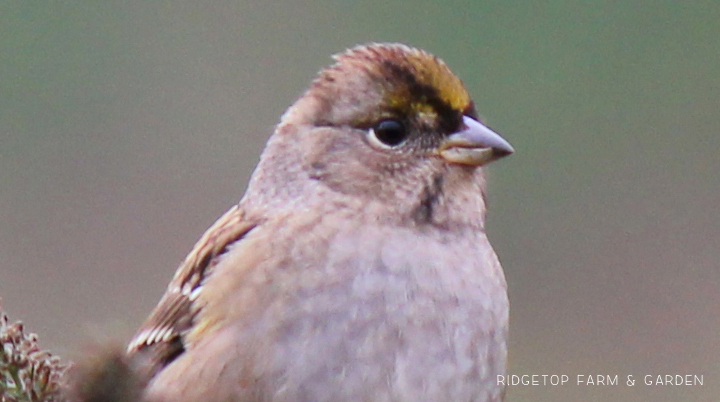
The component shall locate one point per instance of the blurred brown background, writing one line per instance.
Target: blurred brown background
(126, 128)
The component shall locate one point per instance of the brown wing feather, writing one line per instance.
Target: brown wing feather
(160, 338)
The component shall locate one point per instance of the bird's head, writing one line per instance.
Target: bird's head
(393, 124)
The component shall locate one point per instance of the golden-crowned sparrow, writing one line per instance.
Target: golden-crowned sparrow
(356, 267)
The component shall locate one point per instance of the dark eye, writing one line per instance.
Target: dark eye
(390, 133)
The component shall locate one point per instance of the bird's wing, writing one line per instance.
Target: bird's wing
(160, 338)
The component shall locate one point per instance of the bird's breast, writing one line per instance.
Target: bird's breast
(358, 312)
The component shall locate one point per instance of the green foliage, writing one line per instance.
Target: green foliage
(27, 373)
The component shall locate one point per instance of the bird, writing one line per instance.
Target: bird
(356, 267)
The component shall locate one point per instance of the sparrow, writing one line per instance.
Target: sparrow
(356, 267)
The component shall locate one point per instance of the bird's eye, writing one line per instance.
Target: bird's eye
(389, 133)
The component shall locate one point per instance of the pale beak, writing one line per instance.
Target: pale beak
(474, 145)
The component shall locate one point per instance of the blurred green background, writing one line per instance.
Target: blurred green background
(126, 128)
